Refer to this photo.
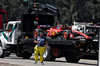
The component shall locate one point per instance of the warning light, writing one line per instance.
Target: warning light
(26, 37)
(34, 5)
(91, 23)
(18, 20)
(79, 45)
(36, 19)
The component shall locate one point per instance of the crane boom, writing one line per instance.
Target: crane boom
(45, 8)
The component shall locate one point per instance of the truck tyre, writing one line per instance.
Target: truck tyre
(73, 60)
(2, 52)
(48, 55)
(72, 57)
(26, 55)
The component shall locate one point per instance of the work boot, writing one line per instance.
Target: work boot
(42, 63)
(35, 62)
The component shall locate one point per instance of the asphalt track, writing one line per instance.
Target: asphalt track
(13, 60)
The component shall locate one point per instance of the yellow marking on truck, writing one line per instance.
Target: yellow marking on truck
(82, 42)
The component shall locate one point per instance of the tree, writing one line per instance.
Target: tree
(70, 10)
(14, 7)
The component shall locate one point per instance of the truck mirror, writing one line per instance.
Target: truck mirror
(1, 31)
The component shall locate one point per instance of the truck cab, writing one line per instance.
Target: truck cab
(13, 31)
(9, 37)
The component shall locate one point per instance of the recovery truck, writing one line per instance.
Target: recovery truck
(63, 41)
(19, 36)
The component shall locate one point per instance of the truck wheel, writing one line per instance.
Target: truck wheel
(47, 55)
(73, 60)
(2, 53)
(26, 55)
(72, 57)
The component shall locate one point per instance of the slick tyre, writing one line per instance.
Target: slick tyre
(36, 32)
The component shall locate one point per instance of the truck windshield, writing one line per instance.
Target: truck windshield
(10, 27)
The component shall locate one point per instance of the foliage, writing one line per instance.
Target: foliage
(70, 10)
(14, 7)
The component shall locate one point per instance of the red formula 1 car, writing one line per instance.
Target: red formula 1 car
(67, 33)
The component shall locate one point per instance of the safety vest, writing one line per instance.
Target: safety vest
(42, 41)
